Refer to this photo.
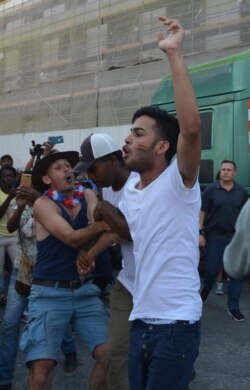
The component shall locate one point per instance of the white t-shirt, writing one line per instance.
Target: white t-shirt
(164, 223)
(127, 274)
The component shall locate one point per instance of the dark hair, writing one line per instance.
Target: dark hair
(229, 162)
(6, 156)
(7, 169)
(167, 126)
(117, 154)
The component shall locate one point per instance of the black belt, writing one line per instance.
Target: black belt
(183, 322)
(73, 284)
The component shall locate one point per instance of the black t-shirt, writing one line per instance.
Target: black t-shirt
(222, 208)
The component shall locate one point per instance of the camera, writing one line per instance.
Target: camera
(36, 150)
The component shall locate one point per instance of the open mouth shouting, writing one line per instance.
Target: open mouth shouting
(125, 152)
(69, 177)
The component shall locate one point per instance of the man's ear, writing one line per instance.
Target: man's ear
(46, 179)
(162, 147)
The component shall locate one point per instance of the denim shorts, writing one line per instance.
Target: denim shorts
(52, 309)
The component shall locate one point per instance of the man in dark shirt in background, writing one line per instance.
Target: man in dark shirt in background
(221, 204)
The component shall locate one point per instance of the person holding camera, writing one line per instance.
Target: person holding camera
(37, 152)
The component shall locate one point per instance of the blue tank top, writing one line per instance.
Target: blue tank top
(56, 260)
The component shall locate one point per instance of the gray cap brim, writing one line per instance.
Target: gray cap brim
(82, 166)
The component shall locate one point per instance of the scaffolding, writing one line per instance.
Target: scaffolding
(77, 64)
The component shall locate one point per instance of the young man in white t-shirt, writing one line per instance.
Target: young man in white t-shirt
(102, 161)
(162, 212)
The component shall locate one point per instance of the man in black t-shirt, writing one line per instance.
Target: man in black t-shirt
(221, 204)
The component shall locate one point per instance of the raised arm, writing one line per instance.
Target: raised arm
(189, 143)
(29, 165)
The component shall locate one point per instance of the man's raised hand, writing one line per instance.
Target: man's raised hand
(173, 39)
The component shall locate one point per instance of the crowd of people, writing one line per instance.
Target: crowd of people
(141, 205)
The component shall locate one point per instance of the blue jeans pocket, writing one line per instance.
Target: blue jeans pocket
(33, 333)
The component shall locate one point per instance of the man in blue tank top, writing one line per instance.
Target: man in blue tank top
(58, 296)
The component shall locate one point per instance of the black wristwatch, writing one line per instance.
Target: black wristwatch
(201, 232)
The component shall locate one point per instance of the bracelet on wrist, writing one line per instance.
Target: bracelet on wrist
(201, 232)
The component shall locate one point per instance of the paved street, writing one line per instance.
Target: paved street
(223, 363)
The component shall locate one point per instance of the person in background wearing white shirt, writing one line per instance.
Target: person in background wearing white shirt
(102, 161)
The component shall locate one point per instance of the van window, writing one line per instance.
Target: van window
(206, 130)
(206, 174)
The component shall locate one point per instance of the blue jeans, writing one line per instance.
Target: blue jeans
(9, 335)
(161, 357)
(2, 290)
(7, 245)
(214, 262)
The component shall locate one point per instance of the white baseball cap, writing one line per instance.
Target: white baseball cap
(93, 147)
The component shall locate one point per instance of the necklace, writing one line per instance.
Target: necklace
(68, 202)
